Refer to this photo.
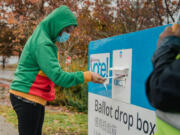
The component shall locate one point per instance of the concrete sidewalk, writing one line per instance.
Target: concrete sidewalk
(7, 74)
(6, 128)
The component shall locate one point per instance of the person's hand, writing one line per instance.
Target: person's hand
(96, 78)
(169, 32)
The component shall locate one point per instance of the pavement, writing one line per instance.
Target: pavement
(6, 74)
(6, 128)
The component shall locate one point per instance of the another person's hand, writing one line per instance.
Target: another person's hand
(96, 78)
(169, 32)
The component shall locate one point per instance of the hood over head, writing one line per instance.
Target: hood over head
(56, 21)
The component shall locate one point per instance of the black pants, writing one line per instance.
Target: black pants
(30, 116)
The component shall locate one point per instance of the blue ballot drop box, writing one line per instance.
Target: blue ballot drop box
(120, 106)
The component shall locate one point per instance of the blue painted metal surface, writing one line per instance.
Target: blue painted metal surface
(143, 44)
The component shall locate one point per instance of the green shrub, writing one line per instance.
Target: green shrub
(76, 96)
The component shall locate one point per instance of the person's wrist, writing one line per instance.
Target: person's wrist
(88, 76)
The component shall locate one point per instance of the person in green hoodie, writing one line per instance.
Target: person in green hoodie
(38, 71)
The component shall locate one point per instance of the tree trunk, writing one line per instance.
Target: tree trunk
(3, 62)
(19, 54)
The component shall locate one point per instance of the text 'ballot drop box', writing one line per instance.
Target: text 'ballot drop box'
(120, 106)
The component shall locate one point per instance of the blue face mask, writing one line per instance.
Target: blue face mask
(63, 38)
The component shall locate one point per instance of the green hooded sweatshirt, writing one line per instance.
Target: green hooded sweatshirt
(38, 69)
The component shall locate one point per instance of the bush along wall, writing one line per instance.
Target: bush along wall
(76, 97)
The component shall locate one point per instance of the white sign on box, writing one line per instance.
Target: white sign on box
(112, 117)
(121, 88)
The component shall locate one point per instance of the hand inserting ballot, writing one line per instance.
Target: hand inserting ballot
(96, 78)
